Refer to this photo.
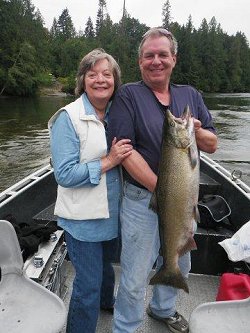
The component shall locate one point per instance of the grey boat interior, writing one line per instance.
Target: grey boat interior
(19, 295)
(33, 199)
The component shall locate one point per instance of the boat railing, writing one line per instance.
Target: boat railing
(235, 181)
(18, 188)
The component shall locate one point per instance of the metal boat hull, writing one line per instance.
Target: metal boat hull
(33, 198)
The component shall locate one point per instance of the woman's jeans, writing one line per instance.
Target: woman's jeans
(93, 285)
(140, 248)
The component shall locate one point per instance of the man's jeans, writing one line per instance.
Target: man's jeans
(140, 248)
(93, 284)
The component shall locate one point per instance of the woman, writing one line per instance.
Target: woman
(89, 187)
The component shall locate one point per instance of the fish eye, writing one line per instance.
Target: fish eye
(172, 123)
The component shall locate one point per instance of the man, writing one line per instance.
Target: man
(140, 118)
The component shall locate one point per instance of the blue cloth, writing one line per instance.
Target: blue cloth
(140, 241)
(70, 173)
(141, 118)
(93, 285)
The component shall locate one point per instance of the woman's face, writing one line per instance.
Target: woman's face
(99, 83)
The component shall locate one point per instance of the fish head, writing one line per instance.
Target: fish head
(179, 131)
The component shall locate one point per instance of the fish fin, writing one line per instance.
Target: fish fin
(193, 156)
(153, 203)
(174, 279)
(161, 233)
(197, 214)
(190, 245)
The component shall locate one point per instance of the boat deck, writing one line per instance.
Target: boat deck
(203, 288)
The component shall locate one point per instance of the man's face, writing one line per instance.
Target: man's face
(156, 62)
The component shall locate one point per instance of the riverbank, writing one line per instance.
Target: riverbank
(54, 90)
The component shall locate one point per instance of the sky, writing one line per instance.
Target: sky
(233, 15)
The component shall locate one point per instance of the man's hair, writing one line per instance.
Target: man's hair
(88, 61)
(158, 32)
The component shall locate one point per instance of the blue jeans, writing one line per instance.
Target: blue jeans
(93, 285)
(140, 248)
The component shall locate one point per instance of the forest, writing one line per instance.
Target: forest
(32, 56)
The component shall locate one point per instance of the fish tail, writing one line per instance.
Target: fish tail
(174, 279)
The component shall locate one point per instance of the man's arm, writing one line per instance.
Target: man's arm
(139, 169)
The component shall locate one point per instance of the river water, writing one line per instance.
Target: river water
(24, 137)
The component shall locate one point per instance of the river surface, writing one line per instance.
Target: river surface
(24, 137)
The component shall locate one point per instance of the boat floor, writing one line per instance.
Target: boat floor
(203, 288)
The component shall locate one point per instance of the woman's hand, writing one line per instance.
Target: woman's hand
(118, 152)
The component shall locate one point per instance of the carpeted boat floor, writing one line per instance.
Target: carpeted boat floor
(202, 288)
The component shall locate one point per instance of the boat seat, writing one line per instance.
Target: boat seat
(25, 306)
(207, 185)
(222, 317)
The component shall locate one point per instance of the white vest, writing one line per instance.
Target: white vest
(87, 202)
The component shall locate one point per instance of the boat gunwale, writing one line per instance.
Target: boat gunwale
(18, 188)
(13, 191)
(238, 183)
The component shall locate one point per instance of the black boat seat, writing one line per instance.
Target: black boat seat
(208, 185)
(25, 306)
(222, 317)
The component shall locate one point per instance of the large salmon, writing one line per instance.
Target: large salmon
(176, 195)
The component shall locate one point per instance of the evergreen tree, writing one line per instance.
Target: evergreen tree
(234, 64)
(166, 15)
(100, 16)
(65, 25)
(125, 47)
(106, 33)
(54, 31)
(207, 58)
(20, 25)
(72, 52)
(28, 9)
(38, 17)
(62, 30)
(21, 77)
(187, 67)
(244, 62)
(89, 30)
(214, 62)
(202, 54)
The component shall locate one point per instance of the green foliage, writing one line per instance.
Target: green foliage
(45, 79)
(68, 83)
(24, 50)
(64, 27)
(129, 34)
(21, 77)
(100, 16)
(208, 58)
(166, 15)
(89, 30)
